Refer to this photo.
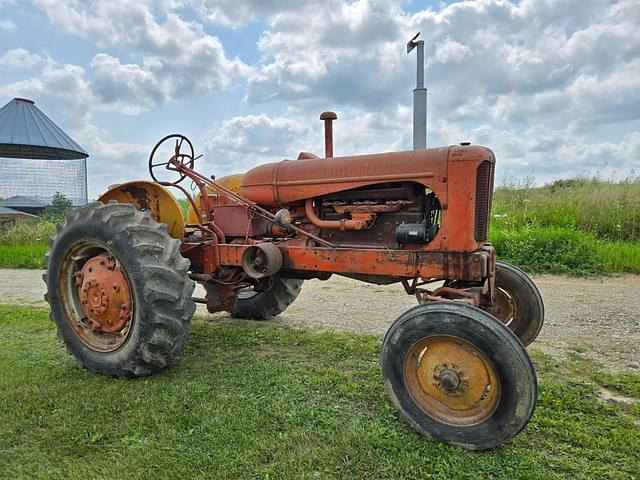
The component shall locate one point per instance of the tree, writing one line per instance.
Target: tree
(59, 208)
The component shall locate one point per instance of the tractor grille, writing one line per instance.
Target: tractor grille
(484, 190)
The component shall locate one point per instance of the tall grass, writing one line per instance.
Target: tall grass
(28, 232)
(579, 226)
(609, 210)
(24, 244)
(23, 256)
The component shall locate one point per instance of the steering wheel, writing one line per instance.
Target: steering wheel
(186, 159)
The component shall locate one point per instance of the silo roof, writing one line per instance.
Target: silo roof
(26, 132)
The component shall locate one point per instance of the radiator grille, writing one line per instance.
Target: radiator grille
(484, 191)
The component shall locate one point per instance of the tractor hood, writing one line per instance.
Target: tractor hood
(288, 181)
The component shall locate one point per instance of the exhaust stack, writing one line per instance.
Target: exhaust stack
(419, 97)
(328, 118)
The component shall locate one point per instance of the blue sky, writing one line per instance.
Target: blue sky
(553, 87)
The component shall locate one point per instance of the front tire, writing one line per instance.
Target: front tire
(457, 375)
(119, 290)
(518, 303)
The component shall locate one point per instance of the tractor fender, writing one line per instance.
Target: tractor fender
(146, 195)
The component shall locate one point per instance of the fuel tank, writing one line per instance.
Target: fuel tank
(289, 181)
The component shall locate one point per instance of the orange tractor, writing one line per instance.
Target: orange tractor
(121, 272)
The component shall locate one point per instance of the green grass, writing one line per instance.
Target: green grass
(623, 383)
(262, 401)
(23, 256)
(565, 251)
(24, 244)
(576, 227)
(609, 210)
(28, 232)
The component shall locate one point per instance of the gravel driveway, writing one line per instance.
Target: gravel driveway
(600, 317)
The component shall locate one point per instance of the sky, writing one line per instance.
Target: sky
(551, 86)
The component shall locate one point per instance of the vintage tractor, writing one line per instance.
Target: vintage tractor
(121, 272)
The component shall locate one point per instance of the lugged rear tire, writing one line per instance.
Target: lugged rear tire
(269, 303)
(156, 274)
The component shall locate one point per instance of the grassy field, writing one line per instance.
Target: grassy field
(577, 227)
(263, 401)
(24, 244)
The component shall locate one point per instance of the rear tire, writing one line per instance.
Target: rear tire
(155, 274)
(269, 303)
(518, 302)
(457, 375)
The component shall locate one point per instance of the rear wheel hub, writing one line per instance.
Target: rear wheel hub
(104, 294)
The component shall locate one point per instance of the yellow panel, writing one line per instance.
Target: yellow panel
(231, 182)
(150, 196)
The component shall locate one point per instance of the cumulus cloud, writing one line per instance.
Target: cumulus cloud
(96, 140)
(232, 13)
(60, 88)
(128, 88)
(244, 141)
(349, 53)
(552, 86)
(20, 58)
(178, 58)
(489, 57)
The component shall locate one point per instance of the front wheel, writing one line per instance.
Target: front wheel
(518, 303)
(457, 375)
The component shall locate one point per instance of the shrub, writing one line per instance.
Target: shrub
(550, 250)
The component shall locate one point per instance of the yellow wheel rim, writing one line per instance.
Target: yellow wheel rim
(451, 380)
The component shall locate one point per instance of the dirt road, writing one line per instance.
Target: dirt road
(599, 317)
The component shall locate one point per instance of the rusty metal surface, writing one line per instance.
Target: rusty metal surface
(262, 260)
(448, 172)
(357, 202)
(368, 206)
(235, 220)
(151, 197)
(504, 307)
(451, 380)
(343, 224)
(328, 118)
(397, 263)
(104, 294)
(220, 298)
(96, 296)
(285, 182)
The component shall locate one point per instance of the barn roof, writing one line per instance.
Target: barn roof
(26, 132)
(10, 212)
(24, 201)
